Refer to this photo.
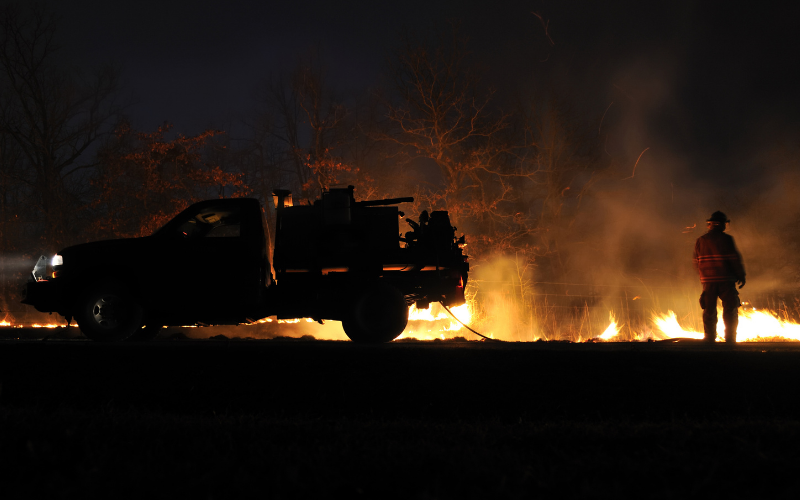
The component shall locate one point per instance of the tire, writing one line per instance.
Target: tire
(378, 315)
(147, 333)
(108, 313)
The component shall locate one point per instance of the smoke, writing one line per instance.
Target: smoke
(501, 295)
(627, 247)
(636, 233)
(628, 251)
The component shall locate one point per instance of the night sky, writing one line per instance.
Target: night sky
(710, 88)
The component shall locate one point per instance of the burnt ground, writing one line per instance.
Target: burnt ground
(295, 418)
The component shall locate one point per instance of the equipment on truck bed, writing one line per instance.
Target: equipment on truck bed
(342, 259)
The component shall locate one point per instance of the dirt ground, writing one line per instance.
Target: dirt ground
(303, 418)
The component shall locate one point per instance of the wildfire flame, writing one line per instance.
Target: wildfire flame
(668, 325)
(612, 330)
(34, 325)
(434, 322)
(754, 326)
(282, 321)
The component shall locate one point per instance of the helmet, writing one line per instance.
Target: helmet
(718, 217)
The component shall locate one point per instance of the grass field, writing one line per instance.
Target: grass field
(294, 419)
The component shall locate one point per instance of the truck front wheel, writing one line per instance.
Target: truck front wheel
(108, 313)
(379, 314)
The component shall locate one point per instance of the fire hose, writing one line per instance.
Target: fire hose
(465, 326)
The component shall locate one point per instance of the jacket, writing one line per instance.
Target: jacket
(717, 259)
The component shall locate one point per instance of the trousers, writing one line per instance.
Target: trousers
(729, 296)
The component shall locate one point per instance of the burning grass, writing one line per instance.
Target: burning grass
(507, 314)
(754, 326)
(501, 318)
(435, 323)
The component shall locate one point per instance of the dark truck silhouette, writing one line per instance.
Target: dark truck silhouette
(337, 259)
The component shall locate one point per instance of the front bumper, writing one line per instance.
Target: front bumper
(44, 295)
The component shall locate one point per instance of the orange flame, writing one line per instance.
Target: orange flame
(754, 326)
(612, 330)
(434, 322)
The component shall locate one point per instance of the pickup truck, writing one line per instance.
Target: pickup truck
(213, 264)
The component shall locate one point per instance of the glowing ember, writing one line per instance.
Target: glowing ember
(7, 323)
(280, 321)
(612, 330)
(35, 325)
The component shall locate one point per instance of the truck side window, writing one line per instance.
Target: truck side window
(211, 222)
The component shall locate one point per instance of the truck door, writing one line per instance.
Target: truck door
(208, 264)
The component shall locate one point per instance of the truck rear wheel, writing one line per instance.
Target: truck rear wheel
(379, 314)
(108, 313)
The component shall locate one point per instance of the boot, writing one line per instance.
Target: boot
(731, 320)
(710, 324)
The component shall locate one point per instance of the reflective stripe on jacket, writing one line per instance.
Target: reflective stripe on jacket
(717, 259)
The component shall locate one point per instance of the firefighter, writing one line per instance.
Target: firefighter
(720, 266)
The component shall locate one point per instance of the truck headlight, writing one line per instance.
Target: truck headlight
(56, 262)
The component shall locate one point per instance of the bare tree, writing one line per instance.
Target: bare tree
(512, 179)
(146, 179)
(439, 111)
(305, 121)
(53, 115)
